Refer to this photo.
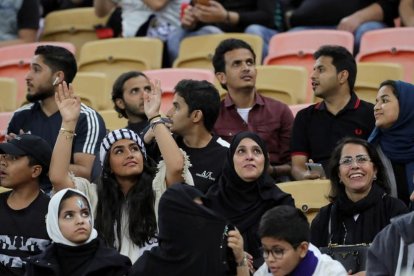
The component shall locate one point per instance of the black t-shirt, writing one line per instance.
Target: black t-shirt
(22, 233)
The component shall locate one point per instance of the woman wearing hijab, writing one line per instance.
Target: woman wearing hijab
(394, 135)
(193, 239)
(245, 191)
(75, 250)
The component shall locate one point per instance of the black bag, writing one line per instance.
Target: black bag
(352, 257)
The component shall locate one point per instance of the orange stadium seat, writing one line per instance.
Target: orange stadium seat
(169, 78)
(15, 61)
(394, 45)
(297, 48)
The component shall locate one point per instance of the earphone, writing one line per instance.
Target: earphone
(55, 81)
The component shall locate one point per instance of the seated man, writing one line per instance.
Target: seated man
(24, 163)
(284, 232)
(19, 21)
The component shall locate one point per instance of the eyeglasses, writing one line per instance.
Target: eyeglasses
(9, 157)
(348, 161)
(277, 253)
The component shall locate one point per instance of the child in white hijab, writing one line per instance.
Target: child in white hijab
(76, 250)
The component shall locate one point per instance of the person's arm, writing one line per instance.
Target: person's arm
(299, 169)
(69, 108)
(103, 7)
(156, 5)
(406, 10)
(235, 242)
(82, 164)
(350, 23)
(173, 157)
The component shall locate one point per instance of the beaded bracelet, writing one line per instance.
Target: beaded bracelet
(157, 122)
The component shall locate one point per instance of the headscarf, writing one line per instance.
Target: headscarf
(191, 238)
(397, 142)
(116, 135)
(52, 219)
(243, 203)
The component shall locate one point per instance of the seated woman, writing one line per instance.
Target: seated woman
(245, 191)
(75, 250)
(124, 198)
(393, 135)
(360, 204)
(193, 239)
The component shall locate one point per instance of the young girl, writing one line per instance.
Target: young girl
(125, 200)
(75, 250)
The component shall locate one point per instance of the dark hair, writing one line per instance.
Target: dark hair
(58, 59)
(33, 162)
(342, 59)
(142, 225)
(70, 194)
(118, 89)
(337, 187)
(200, 95)
(225, 46)
(285, 223)
(393, 85)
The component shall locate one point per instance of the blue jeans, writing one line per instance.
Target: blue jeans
(363, 28)
(174, 39)
(265, 33)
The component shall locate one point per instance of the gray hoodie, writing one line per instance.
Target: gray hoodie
(392, 251)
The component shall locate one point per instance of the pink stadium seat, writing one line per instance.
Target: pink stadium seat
(15, 60)
(389, 45)
(297, 48)
(169, 77)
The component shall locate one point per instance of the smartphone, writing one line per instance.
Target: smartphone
(202, 2)
(316, 167)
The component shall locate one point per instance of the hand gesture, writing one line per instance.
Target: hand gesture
(152, 99)
(213, 13)
(188, 20)
(68, 104)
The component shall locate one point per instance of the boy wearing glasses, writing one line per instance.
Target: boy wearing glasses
(284, 233)
(24, 162)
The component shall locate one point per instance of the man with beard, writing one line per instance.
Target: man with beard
(52, 66)
(128, 97)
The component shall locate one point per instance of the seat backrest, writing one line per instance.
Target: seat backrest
(169, 78)
(75, 25)
(309, 195)
(118, 55)
(371, 74)
(394, 45)
(93, 86)
(198, 51)
(284, 83)
(8, 93)
(5, 118)
(15, 61)
(111, 119)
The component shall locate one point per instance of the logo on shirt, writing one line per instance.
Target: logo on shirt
(358, 131)
(206, 175)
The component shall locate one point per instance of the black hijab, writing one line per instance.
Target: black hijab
(243, 203)
(192, 239)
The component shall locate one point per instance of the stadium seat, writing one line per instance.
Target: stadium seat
(111, 119)
(92, 87)
(76, 26)
(197, 51)
(8, 92)
(15, 61)
(4, 121)
(119, 55)
(371, 74)
(297, 48)
(309, 202)
(394, 45)
(169, 78)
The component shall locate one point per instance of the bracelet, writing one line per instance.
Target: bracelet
(69, 133)
(152, 118)
(243, 261)
(228, 18)
(157, 122)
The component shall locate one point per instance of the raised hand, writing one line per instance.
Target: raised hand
(152, 99)
(68, 103)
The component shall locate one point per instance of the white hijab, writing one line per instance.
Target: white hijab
(52, 219)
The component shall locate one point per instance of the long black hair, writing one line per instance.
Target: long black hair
(142, 224)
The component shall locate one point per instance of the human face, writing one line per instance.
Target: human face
(126, 159)
(15, 171)
(358, 176)
(248, 160)
(181, 120)
(75, 222)
(325, 80)
(240, 70)
(285, 258)
(387, 108)
(133, 96)
(39, 80)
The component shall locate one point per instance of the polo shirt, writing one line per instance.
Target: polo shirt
(269, 118)
(316, 131)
